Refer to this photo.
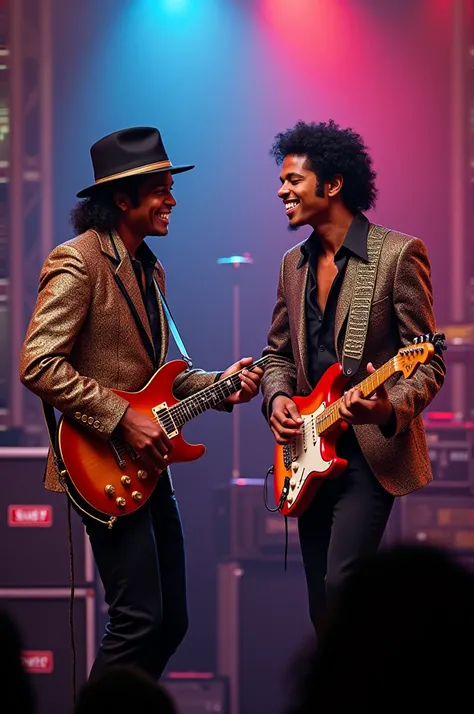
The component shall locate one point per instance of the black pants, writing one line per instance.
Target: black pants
(141, 563)
(346, 521)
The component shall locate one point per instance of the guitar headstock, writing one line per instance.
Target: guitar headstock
(436, 338)
(425, 347)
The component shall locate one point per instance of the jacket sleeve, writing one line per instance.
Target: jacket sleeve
(279, 376)
(64, 296)
(413, 304)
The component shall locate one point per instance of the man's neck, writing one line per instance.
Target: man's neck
(332, 230)
(131, 240)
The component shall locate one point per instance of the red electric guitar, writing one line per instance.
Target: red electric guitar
(108, 475)
(299, 468)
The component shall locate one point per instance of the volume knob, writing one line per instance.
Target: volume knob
(121, 502)
(109, 489)
(142, 474)
(137, 496)
(295, 466)
(126, 480)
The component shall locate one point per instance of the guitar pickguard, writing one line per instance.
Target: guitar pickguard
(304, 456)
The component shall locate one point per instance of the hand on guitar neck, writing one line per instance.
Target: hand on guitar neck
(147, 438)
(285, 421)
(373, 409)
(249, 380)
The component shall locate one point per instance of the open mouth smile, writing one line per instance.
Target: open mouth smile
(290, 206)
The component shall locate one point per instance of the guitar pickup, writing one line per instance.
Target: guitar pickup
(163, 415)
(117, 450)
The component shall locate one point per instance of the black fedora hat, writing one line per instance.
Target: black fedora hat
(129, 152)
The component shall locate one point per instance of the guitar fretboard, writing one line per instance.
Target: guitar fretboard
(331, 415)
(209, 397)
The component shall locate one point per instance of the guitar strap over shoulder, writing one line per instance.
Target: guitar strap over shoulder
(172, 325)
(361, 302)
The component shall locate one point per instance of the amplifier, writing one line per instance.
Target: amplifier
(263, 623)
(197, 692)
(451, 452)
(42, 616)
(34, 545)
(444, 521)
(245, 529)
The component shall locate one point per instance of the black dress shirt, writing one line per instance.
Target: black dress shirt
(320, 326)
(144, 258)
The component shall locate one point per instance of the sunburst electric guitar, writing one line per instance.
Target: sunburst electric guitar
(108, 475)
(300, 468)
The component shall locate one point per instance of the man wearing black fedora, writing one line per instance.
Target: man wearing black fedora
(99, 325)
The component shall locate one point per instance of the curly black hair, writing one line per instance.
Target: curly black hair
(331, 152)
(100, 211)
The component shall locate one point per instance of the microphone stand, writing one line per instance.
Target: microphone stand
(236, 262)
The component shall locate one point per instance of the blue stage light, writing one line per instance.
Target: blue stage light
(176, 5)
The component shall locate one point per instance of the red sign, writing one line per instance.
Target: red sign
(38, 661)
(30, 516)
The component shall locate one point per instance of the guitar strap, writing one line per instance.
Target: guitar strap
(172, 325)
(51, 423)
(361, 302)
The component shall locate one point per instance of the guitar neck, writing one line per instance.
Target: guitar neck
(209, 397)
(331, 416)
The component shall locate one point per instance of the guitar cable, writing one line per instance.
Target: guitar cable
(71, 601)
(283, 495)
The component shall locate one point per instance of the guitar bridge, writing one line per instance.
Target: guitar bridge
(163, 416)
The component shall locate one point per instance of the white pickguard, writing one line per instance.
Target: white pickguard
(306, 456)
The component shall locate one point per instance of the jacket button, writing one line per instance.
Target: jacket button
(90, 420)
(84, 418)
(101, 428)
(96, 424)
(77, 415)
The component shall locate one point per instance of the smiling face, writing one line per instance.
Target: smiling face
(306, 203)
(149, 215)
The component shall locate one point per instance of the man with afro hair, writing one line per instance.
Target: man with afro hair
(327, 183)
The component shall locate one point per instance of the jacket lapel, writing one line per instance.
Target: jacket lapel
(344, 299)
(126, 279)
(301, 320)
(160, 281)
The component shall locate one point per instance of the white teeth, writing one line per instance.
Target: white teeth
(291, 204)
(164, 216)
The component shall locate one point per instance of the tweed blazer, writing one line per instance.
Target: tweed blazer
(402, 308)
(83, 341)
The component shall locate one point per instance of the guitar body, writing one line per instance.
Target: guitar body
(96, 467)
(313, 457)
(299, 468)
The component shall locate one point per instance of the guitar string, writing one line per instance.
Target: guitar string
(331, 415)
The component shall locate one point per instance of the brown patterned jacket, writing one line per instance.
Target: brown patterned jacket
(82, 340)
(402, 308)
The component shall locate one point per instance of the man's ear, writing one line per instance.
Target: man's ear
(335, 186)
(121, 200)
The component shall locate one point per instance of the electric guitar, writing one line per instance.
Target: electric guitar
(300, 467)
(109, 476)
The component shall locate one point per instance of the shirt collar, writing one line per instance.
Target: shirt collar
(355, 241)
(145, 255)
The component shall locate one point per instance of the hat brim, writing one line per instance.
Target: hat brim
(96, 187)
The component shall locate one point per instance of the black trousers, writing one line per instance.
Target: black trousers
(141, 562)
(346, 521)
